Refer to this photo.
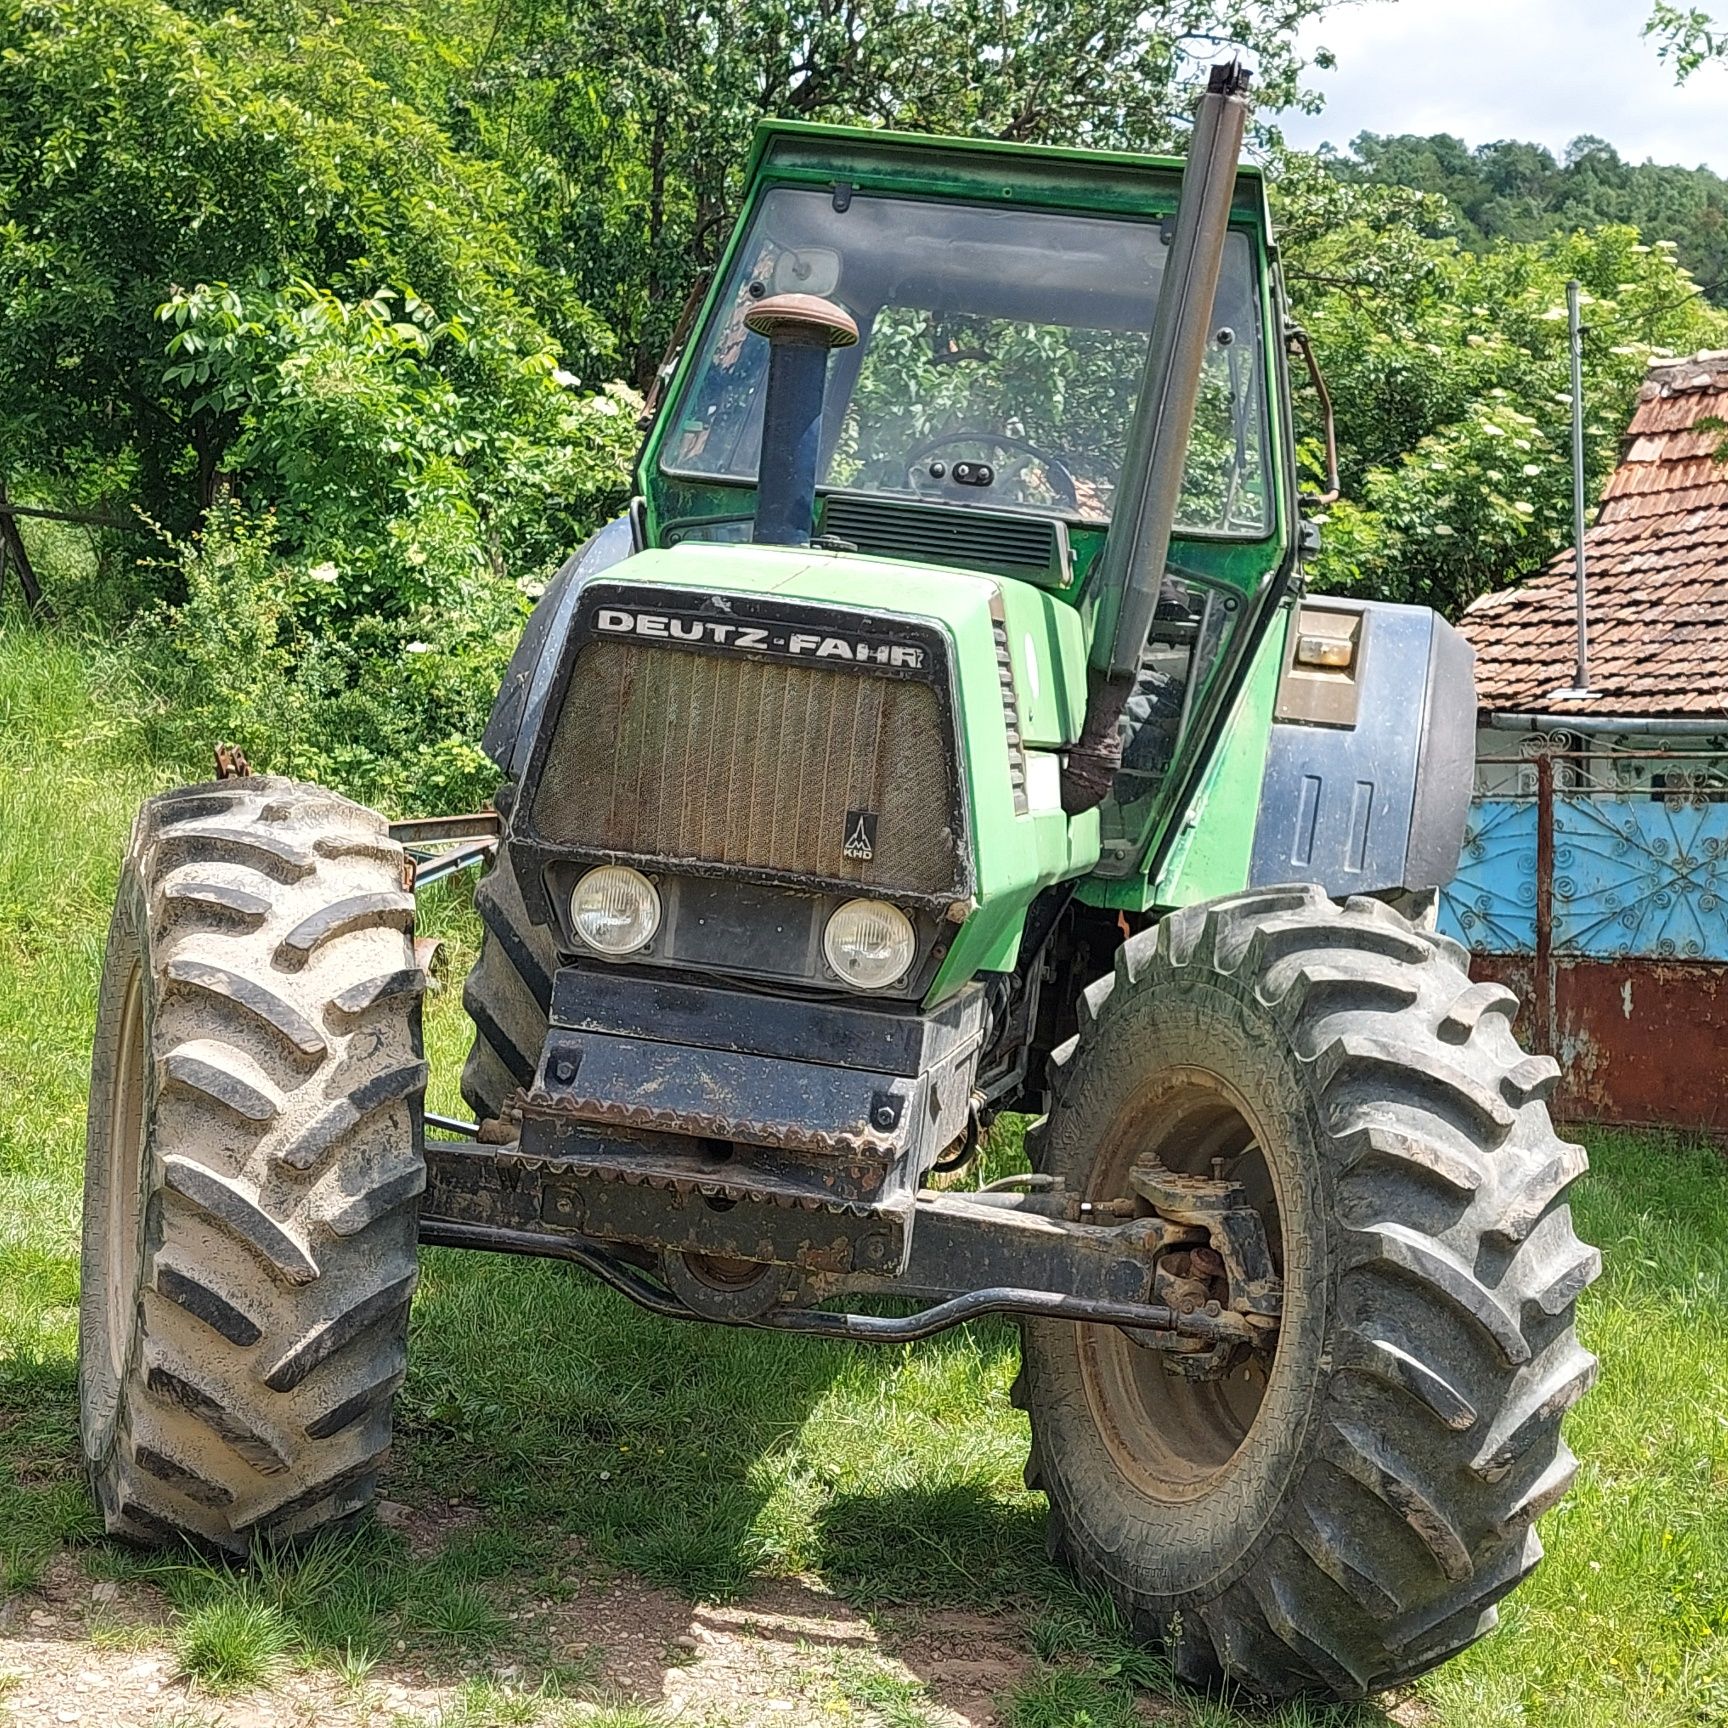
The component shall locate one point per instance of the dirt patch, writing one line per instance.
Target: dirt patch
(426, 1528)
(789, 1655)
(793, 1650)
(965, 1661)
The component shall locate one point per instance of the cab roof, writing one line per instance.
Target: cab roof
(1050, 176)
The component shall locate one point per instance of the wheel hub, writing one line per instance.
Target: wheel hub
(1175, 1411)
(1221, 1263)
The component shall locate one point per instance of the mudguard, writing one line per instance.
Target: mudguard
(1370, 764)
(521, 702)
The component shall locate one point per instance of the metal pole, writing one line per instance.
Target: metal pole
(1591, 725)
(1130, 570)
(1544, 958)
(1581, 681)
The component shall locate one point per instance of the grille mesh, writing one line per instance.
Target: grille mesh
(949, 534)
(723, 760)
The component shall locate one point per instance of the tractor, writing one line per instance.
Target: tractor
(944, 732)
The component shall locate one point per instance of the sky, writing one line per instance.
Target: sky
(1543, 70)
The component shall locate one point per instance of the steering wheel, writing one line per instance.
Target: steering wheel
(1056, 471)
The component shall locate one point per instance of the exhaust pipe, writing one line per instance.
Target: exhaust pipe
(1131, 566)
(800, 329)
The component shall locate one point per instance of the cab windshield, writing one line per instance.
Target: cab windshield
(999, 354)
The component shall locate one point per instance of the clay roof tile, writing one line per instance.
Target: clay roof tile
(1657, 566)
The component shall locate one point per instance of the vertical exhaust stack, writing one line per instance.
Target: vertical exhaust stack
(800, 329)
(1131, 566)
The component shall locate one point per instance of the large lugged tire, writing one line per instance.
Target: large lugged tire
(253, 1167)
(1344, 1515)
(507, 995)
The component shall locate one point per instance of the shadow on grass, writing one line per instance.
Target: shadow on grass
(955, 1543)
(559, 1408)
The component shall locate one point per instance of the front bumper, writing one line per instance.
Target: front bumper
(705, 1120)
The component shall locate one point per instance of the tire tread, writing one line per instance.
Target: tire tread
(271, 1325)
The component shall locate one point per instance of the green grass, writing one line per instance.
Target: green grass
(580, 1436)
(233, 1641)
(885, 1697)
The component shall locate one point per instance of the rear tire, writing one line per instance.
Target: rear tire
(252, 1170)
(1351, 1520)
(508, 995)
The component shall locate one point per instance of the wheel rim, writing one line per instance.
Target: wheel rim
(1177, 1439)
(125, 1156)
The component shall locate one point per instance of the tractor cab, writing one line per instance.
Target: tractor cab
(1003, 300)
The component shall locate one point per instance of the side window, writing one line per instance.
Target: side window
(720, 430)
(1182, 648)
(1224, 484)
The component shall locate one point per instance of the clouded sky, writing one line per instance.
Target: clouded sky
(1545, 70)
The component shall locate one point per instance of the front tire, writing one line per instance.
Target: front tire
(1342, 1512)
(508, 995)
(252, 1170)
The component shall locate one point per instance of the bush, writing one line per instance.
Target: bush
(386, 708)
(355, 630)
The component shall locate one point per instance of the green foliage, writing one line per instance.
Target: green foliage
(889, 1699)
(1451, 374)
(1685, 37)
(647, 106)
(1071, 1698)
(385, 704)
(233, 1641)
(383, 435)
(146, 149)
(460, 1612)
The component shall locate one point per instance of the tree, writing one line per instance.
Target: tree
(1450, 371)
(1686, 37)
(646, 107)
(1509, 190)
(144, 152)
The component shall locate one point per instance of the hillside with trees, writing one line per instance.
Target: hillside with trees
(1515, 191)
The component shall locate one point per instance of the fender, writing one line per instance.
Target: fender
(521, 702)
(1370, 764)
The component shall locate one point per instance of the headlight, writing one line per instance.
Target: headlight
(869, 943)
(615, 909)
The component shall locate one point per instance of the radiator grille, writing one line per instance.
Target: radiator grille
(1011, 718)
(728, 761)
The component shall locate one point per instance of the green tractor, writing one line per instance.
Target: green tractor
(945, 731)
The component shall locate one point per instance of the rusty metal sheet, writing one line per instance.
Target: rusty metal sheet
(1639, 1042)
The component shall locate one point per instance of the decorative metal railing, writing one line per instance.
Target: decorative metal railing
(1607, 854)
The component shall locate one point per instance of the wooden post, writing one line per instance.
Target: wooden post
(12, 552)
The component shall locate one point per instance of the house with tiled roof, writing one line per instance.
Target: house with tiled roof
(1656, 571)
(1594, 875)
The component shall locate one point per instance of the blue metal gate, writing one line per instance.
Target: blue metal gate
(1596, 884)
